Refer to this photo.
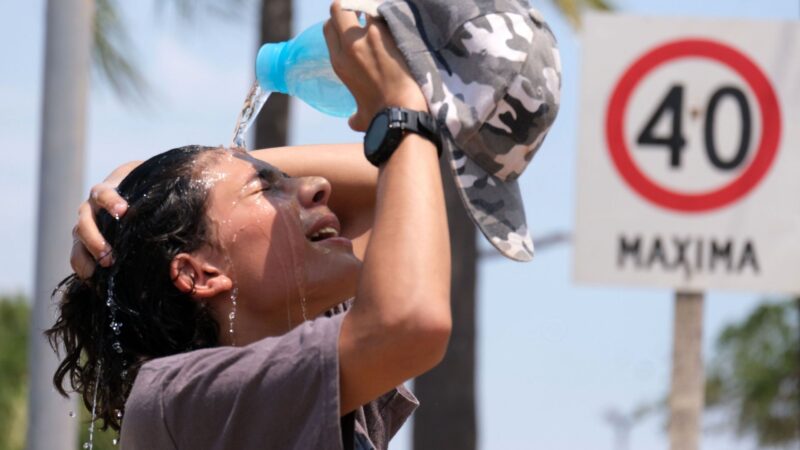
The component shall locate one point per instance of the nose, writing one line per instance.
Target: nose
(313, 191)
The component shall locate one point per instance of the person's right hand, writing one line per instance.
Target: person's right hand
(369, 63)
(89, 247)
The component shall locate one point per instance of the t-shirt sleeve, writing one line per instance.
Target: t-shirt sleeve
(279, 392)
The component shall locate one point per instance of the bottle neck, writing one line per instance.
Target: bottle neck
(270, 67)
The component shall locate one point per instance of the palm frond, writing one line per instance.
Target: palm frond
(573, 9)
(110, 53)
(188, 9)
(112, 47)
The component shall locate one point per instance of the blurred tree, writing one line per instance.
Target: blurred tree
(573, 9)
(756, 374)
(15, 314)
(14, 317)
(112, 45)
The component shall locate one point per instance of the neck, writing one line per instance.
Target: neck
(251, 326)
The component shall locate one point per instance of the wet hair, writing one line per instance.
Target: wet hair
(131, 312)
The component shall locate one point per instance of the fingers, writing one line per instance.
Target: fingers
(88, 235)
(81, 261)
(343, 21)
(332, 39)
(105, 196)
(89, 247)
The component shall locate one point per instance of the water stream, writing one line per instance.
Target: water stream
(255, 100)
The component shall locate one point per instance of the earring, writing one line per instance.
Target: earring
(194, 289)
(232, 315)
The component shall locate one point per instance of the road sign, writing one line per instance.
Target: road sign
(689, 154)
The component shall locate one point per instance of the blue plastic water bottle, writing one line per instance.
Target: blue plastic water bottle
(302, 67)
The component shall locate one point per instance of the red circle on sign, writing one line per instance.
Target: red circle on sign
(765, 151)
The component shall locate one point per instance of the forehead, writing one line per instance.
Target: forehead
(230, 166)
(226, 173)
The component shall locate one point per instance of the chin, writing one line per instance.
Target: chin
(334, 281)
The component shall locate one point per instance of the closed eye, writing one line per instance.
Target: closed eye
(269, 178)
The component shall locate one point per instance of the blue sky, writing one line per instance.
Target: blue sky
(553, 356)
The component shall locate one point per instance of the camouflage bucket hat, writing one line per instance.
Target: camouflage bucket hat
(491, 72)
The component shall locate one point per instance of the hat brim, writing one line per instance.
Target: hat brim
(494, 205)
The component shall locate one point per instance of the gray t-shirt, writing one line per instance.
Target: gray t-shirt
(277, 393)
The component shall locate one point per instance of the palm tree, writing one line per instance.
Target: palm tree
(756, 374)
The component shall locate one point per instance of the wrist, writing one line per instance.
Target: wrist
(391, 125)
(409, 99)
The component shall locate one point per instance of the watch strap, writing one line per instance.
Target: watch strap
(418, 122)
(397, 122)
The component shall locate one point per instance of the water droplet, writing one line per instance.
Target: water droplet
(71, 413)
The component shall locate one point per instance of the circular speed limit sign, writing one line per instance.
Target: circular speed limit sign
(694, 148)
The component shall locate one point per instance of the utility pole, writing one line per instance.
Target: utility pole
(686, 397)
(63, 129)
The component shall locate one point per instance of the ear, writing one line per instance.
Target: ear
(198, 277)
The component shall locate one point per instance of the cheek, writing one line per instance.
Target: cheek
(249, 227)
(269, 257)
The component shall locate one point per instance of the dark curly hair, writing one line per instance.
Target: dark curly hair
(166, 216)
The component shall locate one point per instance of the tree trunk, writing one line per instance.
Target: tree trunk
(272, 123)
(66, 79)
(446, 416)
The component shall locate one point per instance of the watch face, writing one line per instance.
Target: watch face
(376, 133)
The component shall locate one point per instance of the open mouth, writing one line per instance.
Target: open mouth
(323, 233)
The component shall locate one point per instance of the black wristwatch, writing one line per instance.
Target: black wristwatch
(388, 128)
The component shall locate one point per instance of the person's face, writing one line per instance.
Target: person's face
(278, 237)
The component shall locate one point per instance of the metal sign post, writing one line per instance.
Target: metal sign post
(687, 391)
(66, 86)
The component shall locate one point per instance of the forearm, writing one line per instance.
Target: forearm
(405, 283)
(352, 177)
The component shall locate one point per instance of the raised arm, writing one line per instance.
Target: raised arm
(400, 322)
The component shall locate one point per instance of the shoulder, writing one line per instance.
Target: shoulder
(288, 383)
(304, 345)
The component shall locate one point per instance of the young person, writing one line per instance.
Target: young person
(203, 323)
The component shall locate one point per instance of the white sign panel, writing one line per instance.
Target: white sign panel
(689, 154)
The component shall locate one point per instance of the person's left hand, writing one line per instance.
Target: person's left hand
(369, 63)
(89, 247)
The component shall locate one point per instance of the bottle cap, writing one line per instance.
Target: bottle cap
(270, 71)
